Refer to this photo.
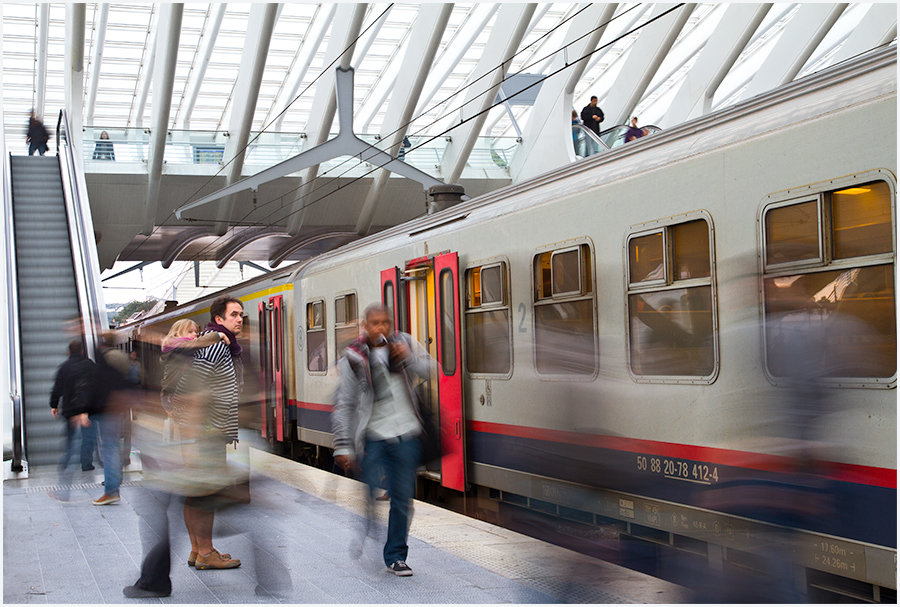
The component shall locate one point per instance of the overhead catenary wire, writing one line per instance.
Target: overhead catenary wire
(303, 207)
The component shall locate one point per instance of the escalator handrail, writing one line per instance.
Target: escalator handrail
(12, 311)
(84, 248)
(589, 133)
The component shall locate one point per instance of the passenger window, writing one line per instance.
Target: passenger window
(671, 308)
(316, 347)
(487, 320)
(448, 324)
(346, 322)
(835, 319)
(564, 332)
(792, 233)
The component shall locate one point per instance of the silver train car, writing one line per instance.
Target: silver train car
(668, 338)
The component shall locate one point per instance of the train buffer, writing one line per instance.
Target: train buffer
(297, 540)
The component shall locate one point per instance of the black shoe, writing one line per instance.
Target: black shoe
(87, 468)
(136, 592)
(400, 568)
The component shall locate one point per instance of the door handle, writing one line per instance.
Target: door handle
(458, 428)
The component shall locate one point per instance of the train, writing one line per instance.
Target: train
(655, 338)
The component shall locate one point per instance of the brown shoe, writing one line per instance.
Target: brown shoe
(106, 500)
(192, 558)
(214, 560)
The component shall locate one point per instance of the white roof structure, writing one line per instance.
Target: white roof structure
(427, 70)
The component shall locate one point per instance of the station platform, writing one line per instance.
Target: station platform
(302, 539)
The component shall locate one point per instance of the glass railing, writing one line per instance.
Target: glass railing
(615, 136)
(586, 141)
(208, 147)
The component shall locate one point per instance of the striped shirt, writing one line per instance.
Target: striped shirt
(212, 371)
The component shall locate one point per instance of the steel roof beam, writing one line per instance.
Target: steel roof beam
(424, 39)
(506, 36)
(462, 40)
(149, 64)
(366, 40)
(181, 242)
(40, 92)
(725, 45)
(253, 63)
(877, 27)
(231, 248)
(298, 242)
(644, 60)
(217, 13)
(74, 70)
(341, 43)
(547, 139)
(96, 63)
(168, 34)
(796, 45)
(307, 52)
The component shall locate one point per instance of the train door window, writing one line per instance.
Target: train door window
(564, 328)
(488, 347)
(346, 322)
(834, 319)
(448, 324)
(671, 303)
(316, 343)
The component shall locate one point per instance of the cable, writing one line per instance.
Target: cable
(306, 205)
(281, 196)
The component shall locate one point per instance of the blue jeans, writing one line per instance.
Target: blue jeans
(87, 438)
(109, 429)
(397, 459)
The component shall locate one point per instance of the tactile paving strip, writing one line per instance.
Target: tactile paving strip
(75, 487)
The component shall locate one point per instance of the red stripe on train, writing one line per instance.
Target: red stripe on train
(310, 406)
(850, 473)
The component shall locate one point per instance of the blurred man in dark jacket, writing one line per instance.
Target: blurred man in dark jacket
(73, 386)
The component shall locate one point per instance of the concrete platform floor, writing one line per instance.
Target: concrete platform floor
(301, 540)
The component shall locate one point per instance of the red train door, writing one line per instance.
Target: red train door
(449, 356)
(271, 359)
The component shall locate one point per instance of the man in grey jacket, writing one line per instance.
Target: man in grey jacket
(377, 420)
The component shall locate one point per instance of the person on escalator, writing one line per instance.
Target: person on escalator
(633, 131)
(592, 115)
(37, 136)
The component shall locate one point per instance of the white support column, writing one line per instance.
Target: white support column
(310, 46)
(547, 139)
(797, 43)
(646, 56)
(96, 63)
(425, 37)
(43, 43)
(217, 13)
(722, 49)
(465, 35)
(366, 40)
(877, 27)
(347, 25)
(260, 26)
(168, 34)
(149, 64)
(74, 70)
(509, 29)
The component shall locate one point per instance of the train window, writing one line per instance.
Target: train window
(316, 346)
(387, 297)
(487, 320)
(346, 322)
(645, 258)
(448, 324)
(792, 233)
(564, 334)
(671, 305)
(835, 319)
(862, 220)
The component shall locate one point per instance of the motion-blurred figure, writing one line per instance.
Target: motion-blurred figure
(73, 388)
(37, 136)
(377, 420)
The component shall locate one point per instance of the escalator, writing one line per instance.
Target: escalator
(55, 285)
(587, 142)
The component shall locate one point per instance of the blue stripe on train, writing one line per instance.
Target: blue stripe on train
(860, 512)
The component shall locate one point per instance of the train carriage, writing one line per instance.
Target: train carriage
(655, 338)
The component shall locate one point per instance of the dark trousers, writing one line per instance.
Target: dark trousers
(397, 459)
(153, 508)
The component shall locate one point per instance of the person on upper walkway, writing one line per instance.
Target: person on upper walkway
(592, 115)
(103, 149)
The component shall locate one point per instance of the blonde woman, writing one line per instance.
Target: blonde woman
(178, 349)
